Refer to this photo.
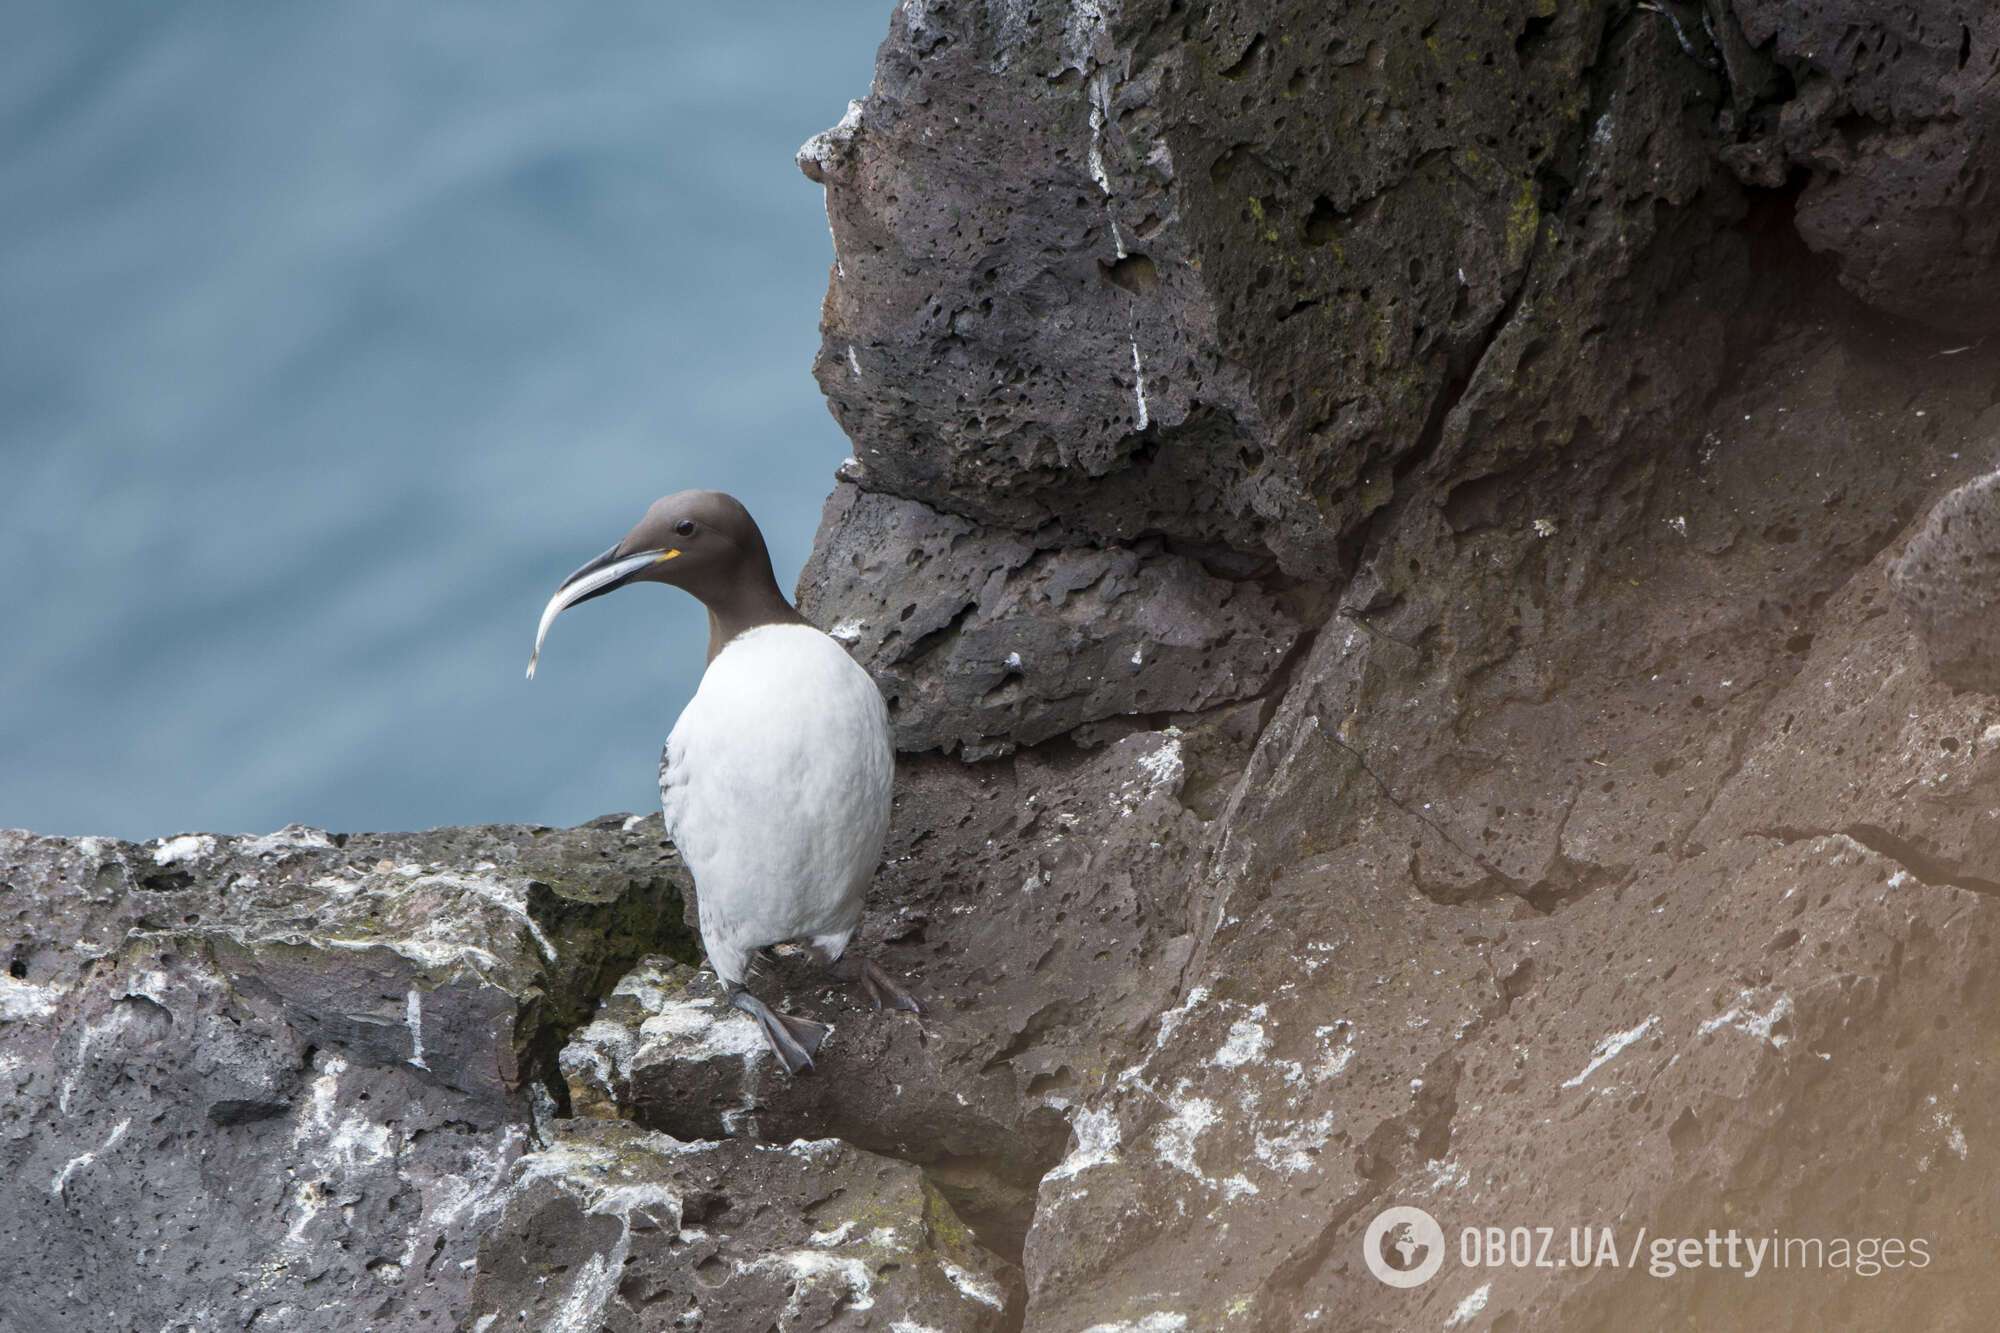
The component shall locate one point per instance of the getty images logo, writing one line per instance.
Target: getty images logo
(1403, 1246)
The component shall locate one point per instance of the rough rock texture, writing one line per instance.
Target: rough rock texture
(983, 641)
(1892, 108)
(1044, 946)
(1607, 850)
(279, 1080)
(1220, 273)
(1946, 578)
(611, 1226)
(1436, 585)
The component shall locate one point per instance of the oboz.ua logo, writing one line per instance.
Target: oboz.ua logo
(1403, 1246)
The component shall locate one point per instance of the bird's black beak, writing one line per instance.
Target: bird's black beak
(604, 574)
(586, 587)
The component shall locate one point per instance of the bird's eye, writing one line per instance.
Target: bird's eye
(685, 527)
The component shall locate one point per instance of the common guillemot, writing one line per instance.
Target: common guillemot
(776, 779)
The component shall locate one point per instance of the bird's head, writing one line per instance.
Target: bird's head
(702, 541)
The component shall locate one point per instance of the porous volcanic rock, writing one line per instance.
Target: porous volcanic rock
(1892, 110)
(1948, 582)
(1041, 945)
(1606, 832)
(611, 1226)
(1221, 273)
(983, 641)
(1431, 576)
(278, 1080)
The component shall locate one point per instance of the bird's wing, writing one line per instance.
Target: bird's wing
(674, 781)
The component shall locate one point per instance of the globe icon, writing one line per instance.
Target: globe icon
(1403, 1246)
(1403, 1249)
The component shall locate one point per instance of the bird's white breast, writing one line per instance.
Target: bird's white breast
(776, 787)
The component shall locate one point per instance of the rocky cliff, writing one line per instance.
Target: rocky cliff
(1434, 565)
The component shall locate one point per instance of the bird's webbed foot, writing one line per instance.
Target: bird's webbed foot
(880, 988)
(792, 1039)
(883, 991)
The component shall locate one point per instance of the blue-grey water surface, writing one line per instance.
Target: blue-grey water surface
(332, 335)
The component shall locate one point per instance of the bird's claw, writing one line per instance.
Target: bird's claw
(882, 990)
(792, 1039)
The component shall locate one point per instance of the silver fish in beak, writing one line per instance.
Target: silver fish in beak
(604, 574)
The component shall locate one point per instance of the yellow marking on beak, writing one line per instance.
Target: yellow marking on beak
(665, 556)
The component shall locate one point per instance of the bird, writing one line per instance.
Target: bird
(776, 781)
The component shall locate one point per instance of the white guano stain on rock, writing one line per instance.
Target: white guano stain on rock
(290, 838)
(1097, 1138)
(358, 1142)
(187, 847)
(1952, 1132)
(1098, 93)
(1338, 1058)
(647, 984)
(1165, 766)
(1247, 1041)
(813, 1149)
(1296, 1149)
(809, 1268)
(1139, 385)
(413, 1018)
(1080, 30)
(424, 949)
(1446, 1173)
(1177, 1138)
(972, 1286)
(21, 1001)
(837, 1236)
(408, 910)
(582, 1309)
(603, 1052)
(508, 898)
(673, 1028)
(590, 1174)
(316, 1117)
(694, 1032)
(1171, 1019)
(1743, 1018)
(307, 1199)
(817, 156)
(92, 1034)
(1238, 1186)
(822, 147)
(1608, 1050)
(1468, 1309)
(889, 1238)
(460, 1196)
(1160, 1321)
(83, 1160)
